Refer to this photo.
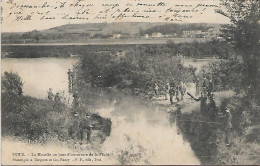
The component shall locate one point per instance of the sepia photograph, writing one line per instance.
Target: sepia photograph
(138, 82)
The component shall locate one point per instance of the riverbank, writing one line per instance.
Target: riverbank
(133, 139)
(40, 121)
(207, 137)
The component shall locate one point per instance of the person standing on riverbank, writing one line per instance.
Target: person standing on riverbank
(57, 103)
(50, 94)
(57, 97)
(172, 93)
(172, 84)
(172, 90)
(204, 83)
(177, 92)
(69, 75)
(167, 89)
(76, 100)
(210, 87)
(183, 89)
(74, 128)
(86, 128)
(70, 79)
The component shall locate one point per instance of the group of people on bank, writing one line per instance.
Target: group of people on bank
(178, 90)
(81, 127)
(172, 90)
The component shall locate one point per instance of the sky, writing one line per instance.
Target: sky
(28, 15)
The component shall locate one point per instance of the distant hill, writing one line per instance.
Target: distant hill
(89, 31)
(102, 28)
(124, 27)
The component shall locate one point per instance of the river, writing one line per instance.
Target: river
(40, 74)
(136, 129)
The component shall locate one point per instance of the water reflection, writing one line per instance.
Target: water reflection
(142, 135)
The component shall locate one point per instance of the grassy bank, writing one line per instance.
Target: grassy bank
(41, 121)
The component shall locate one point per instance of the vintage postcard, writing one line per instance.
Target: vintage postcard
(136, 82)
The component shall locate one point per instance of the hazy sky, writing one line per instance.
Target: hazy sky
(27, 15)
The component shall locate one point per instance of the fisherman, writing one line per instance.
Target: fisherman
(69, 75)
(156, 89)
(183, 89)
(167, 89)
(57, 97)
(50, 94)
(210, 87)
(73, 77)
(204, 83)
(57, 105)
(203, 102)
(76, 99)
(172, 93)
(74, 129)
(212, 108)
(86, 128)
(196, 86)
(177, 92)
(172, 84)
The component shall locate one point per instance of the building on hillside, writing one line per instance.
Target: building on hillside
(116, 35)
(156, 34)
(192, 32)
(170, 35)
(146, 36)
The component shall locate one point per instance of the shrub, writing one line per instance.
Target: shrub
(12, 82)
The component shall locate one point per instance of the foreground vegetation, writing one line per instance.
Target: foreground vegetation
(207, 133)
(240, 73)
(41, 120)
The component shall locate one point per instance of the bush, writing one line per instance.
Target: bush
(12, 82)
(36, 120)
(226, 74)
(134, 73)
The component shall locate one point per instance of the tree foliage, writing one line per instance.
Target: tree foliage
(135, 73)
(243, 33)
(12, 82)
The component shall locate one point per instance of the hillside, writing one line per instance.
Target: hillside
(89, 31)
(103, 28)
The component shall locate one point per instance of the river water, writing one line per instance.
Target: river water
(40, 74)
(140, 134)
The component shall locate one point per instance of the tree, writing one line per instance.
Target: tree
(243, 34)
(12, 82)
